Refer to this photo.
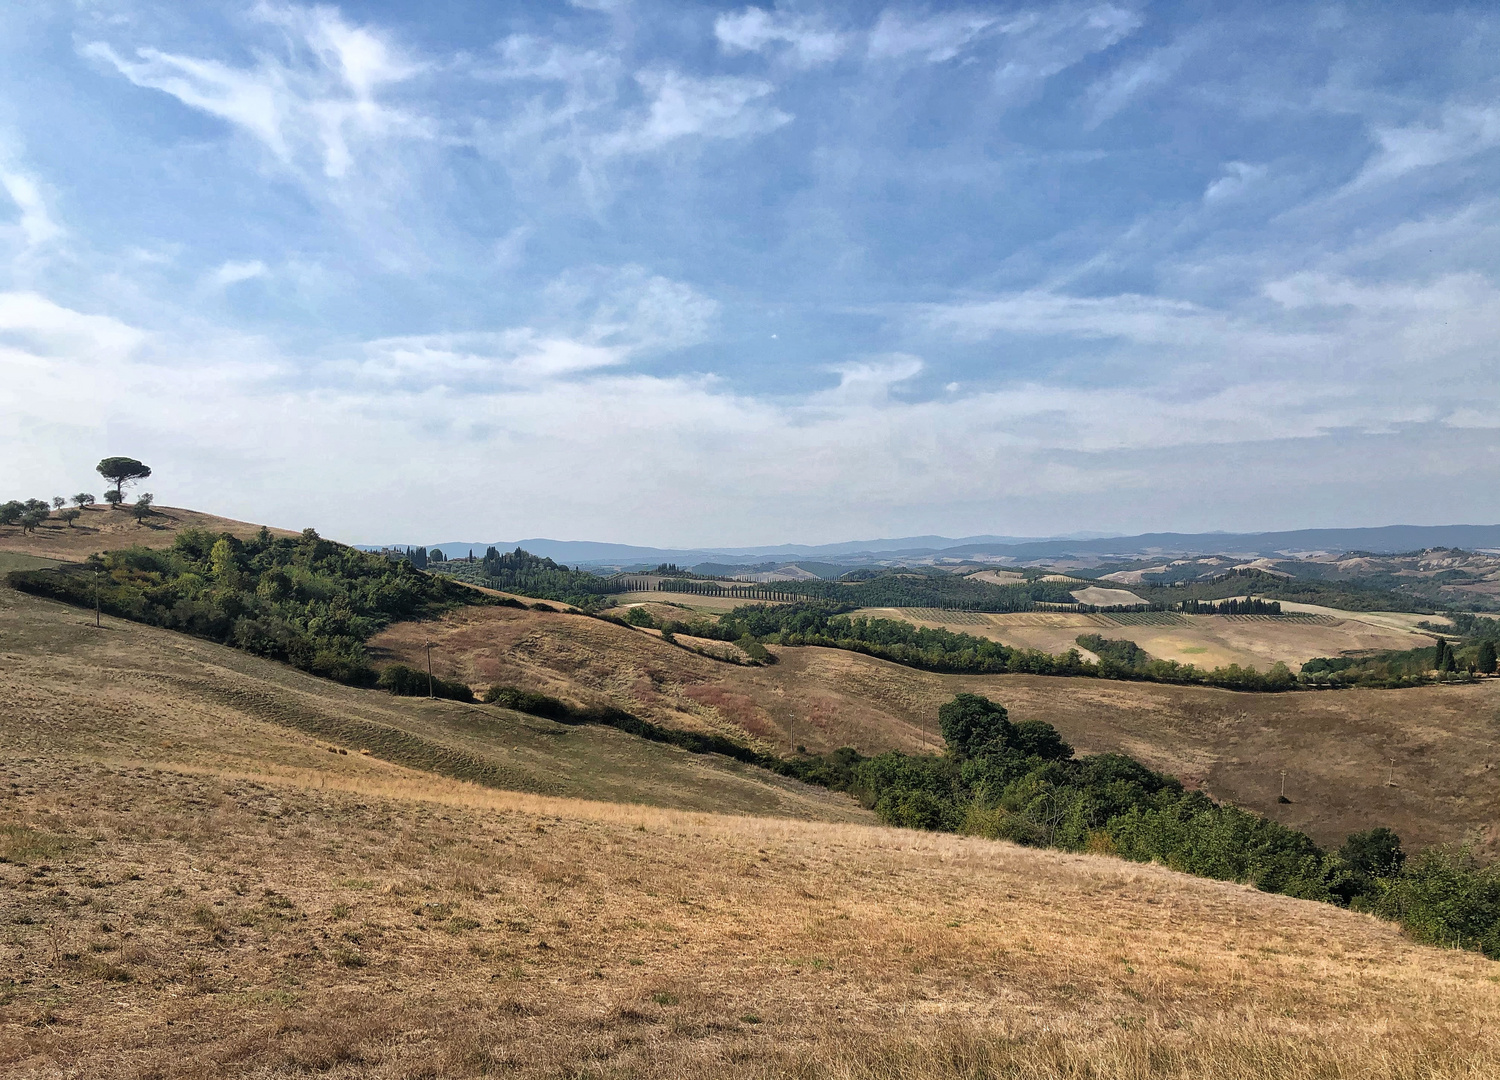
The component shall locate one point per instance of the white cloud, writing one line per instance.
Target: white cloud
(934, 39)
(1146, 319)
(36, 224)
(1030, 46)
(232, 273)
(1238, 178)
(756, 30)
(719, 107)
(1449, 293)
(313, 107)
(577, 433)
(1462, 132)
(1035, 50)
(43, 328)
(870, 381)
(473, 362)
(1133, 80)
(628, 307)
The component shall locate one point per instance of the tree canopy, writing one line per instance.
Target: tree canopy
(121, 471)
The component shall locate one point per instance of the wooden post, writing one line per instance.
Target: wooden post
(430, 695)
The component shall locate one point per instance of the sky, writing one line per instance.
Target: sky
(709, 274)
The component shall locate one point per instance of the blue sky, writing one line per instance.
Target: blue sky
(716, 274)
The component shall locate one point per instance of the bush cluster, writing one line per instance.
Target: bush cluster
(409, 682)
(521, 572)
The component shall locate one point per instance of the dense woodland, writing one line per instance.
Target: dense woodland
(1351, 595)
(306, 601)
(521, 572)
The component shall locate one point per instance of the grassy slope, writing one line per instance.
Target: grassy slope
(103, 529)
(189, 890)
(120, 693)
(1334, 746)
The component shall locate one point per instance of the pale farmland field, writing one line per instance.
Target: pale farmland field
(1203, 640)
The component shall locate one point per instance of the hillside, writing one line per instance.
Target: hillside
(194, 886)
(130, 692)
(1336, 747)
(101, 529)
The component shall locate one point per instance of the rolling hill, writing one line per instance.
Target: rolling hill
(202, 875)
(1336, 747)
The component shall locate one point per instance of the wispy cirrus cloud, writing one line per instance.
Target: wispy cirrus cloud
(807, 41)
(1460, 133)
(314, 104)
(35, 223)
(825, 268)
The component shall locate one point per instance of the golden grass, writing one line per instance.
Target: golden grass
(103, 529)
(192, 889)
(213, 925)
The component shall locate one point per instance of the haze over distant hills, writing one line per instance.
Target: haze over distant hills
(1383, 540)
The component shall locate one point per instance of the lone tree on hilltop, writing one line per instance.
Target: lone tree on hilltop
(142, 508)
(121, 471)
(58, 502)
(82, 499)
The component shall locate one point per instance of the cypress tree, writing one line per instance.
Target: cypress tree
(1440, 655)
(1486, 663)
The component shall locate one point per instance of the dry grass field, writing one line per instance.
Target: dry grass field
(128, 692)
(162, 922)
(1203, 640)
(1335, 746)
(202, 875)
(103, 529)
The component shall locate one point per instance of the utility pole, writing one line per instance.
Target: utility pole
(1283, 785)
(430, 695)
(97, 587)
(1390, 777)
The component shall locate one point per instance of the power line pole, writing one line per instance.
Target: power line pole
(430, 695)
(97, 588)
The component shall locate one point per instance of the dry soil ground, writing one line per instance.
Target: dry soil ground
(1336, 747)
(192, 885)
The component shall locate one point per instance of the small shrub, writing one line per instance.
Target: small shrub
(526, 701)
(403, 681)
(346, 957)
(639, 616)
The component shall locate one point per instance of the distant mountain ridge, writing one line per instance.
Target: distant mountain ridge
(1387, 539)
